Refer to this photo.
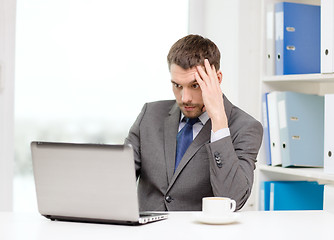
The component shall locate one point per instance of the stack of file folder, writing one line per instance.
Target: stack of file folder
(297, 38)
(291, 195)
(293, 129)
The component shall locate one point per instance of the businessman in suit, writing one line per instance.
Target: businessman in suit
(220, 160)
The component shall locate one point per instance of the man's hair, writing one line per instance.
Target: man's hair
(191, 50)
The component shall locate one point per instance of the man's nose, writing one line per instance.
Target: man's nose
(186, 95)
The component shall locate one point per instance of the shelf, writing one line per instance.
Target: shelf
(316, 78)
(309, 174)
(316, 83)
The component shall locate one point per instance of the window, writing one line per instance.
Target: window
(84, 69)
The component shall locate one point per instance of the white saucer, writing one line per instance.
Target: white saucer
(210, 219)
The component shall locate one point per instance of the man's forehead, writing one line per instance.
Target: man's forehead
(177, 71)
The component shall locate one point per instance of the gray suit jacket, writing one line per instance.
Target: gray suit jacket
(222, 168)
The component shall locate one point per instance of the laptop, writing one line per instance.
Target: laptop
(87, 183)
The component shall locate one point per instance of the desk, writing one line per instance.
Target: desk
(180, 225)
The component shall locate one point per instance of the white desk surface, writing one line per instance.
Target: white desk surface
(180, 225)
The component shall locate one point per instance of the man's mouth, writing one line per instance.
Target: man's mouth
(189, 108)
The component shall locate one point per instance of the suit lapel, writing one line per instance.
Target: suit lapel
(171, 126)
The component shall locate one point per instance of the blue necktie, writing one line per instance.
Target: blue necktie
(184, 139)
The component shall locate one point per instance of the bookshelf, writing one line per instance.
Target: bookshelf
(304, 83)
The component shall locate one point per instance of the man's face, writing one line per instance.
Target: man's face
(186, 90)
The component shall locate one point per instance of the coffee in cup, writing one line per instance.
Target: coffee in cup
(218, 205)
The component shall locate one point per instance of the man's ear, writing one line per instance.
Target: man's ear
(220, 76)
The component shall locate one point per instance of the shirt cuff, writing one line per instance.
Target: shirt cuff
(221, 133)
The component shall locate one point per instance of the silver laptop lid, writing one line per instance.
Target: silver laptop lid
(85, 181)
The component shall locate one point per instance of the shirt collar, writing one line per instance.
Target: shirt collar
(204, 117)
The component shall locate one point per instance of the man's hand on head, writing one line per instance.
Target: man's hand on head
(209, 80)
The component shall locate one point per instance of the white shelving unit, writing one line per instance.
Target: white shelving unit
(294, 174)
(315, 78)
(306, 83)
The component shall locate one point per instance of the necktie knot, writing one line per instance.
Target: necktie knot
(191, 121)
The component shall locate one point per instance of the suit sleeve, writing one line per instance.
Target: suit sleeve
(232, 162)
(133, 138)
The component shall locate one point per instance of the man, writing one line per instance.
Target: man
(220, 160)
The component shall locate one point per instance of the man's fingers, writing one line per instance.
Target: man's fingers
(199, 80)
(202, 73)
(211, 71)
(207, 75)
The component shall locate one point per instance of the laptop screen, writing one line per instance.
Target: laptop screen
(85, 180)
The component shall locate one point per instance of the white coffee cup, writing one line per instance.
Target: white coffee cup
(218, 205)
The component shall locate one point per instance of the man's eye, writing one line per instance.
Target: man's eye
(177, 85)
(195, 86)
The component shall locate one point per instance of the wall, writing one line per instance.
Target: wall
(7, 43)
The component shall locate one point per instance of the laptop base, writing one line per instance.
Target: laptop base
(147, 218)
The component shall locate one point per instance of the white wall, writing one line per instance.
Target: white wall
(7, 43)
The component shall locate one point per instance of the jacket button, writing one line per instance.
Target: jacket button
(168, 199)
